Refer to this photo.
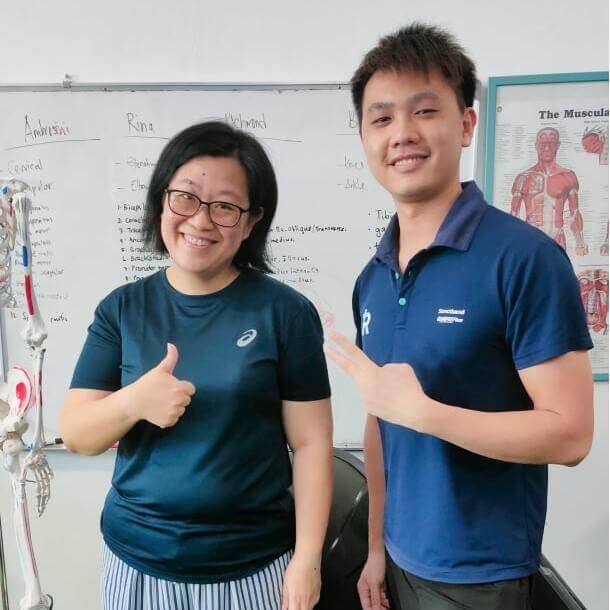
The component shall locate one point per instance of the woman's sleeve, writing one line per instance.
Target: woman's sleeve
(99, 364)
(303, 375)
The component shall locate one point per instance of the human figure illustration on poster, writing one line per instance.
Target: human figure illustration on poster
(595, 141)
(594, 293)
(545, 188)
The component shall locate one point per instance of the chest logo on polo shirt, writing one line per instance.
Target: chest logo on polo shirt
(247, 338)
(450, 316)
(366, 320)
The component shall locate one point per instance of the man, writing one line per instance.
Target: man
(474, 370)
(545, 188)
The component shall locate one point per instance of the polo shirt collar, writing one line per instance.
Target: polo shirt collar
(456, 231)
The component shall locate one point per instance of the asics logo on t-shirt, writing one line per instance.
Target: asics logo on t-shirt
(247, 338)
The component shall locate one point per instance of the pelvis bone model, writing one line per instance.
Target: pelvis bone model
(20, 392)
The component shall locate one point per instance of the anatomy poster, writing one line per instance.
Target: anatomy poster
(551, 170)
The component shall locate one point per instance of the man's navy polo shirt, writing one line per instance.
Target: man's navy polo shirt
(490, 296)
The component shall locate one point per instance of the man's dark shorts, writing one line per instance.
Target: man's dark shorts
(414, 593)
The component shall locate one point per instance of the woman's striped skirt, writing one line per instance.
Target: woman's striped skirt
(124, 588)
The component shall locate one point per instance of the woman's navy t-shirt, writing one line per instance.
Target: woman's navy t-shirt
(206, 500)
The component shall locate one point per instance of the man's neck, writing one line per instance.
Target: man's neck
(419, 223)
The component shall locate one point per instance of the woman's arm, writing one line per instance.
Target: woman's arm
(91, 421)
(308, 427)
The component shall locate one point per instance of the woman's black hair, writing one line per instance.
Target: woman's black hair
(217, 139)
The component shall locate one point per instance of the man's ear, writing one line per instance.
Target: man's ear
(469, 122)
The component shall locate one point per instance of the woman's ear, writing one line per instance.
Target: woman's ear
(255, 215)
(258, 213)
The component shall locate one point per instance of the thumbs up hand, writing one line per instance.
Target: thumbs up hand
(168, 364)
(158, 397)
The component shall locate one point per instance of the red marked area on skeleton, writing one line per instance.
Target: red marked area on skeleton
(28, 294)
(21, 392)
(20, 389)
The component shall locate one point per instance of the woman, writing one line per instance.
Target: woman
(204, 371)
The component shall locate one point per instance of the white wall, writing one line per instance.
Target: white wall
(282, 41)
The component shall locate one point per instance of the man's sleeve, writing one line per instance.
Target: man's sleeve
(356, 314)
(544, 309)
(99, 364)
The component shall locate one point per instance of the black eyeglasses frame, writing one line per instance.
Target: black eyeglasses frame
(208, 203)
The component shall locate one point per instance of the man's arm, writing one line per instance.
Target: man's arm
(558, 430)
(375, 478)
(371, 585)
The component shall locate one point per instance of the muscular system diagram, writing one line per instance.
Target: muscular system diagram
(545, 189)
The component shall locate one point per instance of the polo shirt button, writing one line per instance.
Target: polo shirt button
(397, 275)
(402, 301)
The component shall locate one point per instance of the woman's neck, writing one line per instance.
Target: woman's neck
(200, 283)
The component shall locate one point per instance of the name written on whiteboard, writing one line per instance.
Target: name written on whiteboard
(241, 122)
(43, 130)
(137, 126)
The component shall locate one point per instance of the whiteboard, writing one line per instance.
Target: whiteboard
(88, 155)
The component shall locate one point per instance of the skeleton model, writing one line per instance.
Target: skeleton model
(18, 394)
